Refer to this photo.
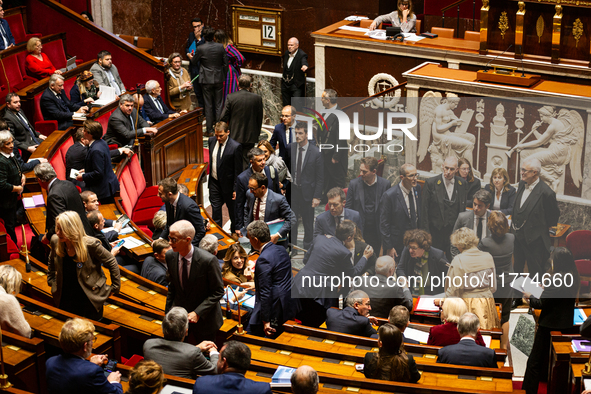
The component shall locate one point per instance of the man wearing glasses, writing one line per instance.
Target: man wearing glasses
(399, 210)
(195, 283)
(534, 212)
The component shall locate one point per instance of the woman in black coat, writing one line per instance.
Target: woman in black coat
(465, 171)
(558, 307)
(503, 193)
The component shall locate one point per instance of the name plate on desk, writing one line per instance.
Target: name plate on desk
(507, 77)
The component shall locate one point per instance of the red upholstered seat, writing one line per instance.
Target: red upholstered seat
(17, 28)
(11, 75)
(58, 161)
(579, 243)
(146, 230)
(55, 52)
(139, 202)
(206, 158)
(104, 120)
(46, 127)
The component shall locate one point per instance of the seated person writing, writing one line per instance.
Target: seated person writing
(354, 319)
(447, 333)
(391, 362)
(154, 267)
(403, 17)
(177, 357)
(467, 351)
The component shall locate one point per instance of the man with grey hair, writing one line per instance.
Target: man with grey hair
(176, 357)
(467, 351)
(122, 123)
(476, 219)
(154, 106)
(61, 196)
(400, 317)
(382, 291)
(210, 244)
(12, 183)
(243, 112)
(195, 283)
(55, 105)
(534, 212)
(304, 380)
(443, 198)
(295, 64)
(354, 319)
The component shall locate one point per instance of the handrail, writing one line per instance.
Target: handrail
(452, 5)
(23, 47)
(380, 94)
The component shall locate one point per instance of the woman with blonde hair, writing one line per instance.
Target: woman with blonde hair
(85, 90)
(447, 333)
(235, 268)
(391, 362)
(12, 318)
(179, 84)
(503, 193)
(146, 377)
(272, 160)
(473, 277)
(75, 273)
(37, 64)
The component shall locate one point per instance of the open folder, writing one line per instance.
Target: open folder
(107, 95)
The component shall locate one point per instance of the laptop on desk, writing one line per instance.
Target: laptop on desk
(70, 65)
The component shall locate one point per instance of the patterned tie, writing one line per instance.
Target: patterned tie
(158, 105)
(257, 210)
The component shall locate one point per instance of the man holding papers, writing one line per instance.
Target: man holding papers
(264, 204)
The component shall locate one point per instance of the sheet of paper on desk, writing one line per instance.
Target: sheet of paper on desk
(417, 335)
(170, 389)
(354, 28)
(79, 115)
(131, 243)
(377, 34)
(412, 37)
(487, 339)
(124, 231)
(356, 18)
(427, 304)
(108, 95)
(34, 202)
(526, 285)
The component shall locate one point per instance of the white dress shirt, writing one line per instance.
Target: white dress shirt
(189, 258)
(527, 192)
(291, 57)
(449, 186)
(214, 160)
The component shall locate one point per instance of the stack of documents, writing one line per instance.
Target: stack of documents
(34, 202)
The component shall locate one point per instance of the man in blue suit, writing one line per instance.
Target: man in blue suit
(327, 222)
(225, 157)
(233, 363)
(98, 175)
(354, 319)
(399, 211)
(257, 165)
(364, 195)
(266, 205)
(6, 39)
(154, 107)
(71, 372)
(272, 278)
(55, 105)
(308, 181)
(283, 134)
(467, 351)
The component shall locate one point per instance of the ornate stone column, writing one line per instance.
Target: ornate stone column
(102, 14)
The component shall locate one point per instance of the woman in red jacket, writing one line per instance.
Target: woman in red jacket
(447, 333)
(37, 64)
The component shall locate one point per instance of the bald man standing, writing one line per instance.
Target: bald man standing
(295, 64)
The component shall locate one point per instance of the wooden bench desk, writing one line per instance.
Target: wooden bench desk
(24, 360)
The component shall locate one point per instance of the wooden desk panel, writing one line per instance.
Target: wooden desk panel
(192, 177)
(24, 361)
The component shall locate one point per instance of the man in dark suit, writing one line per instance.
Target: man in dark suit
(121, 126)
(98, 175)
(26, 137)
(6, 38)
(233, 363)
(354, 319)
(283, 134)
(385, 295)
(364, 195)
(257, 165)
(308, 180)
(180, 207)
(443, 198)
(55, 105)
(244, 113)
(61, 196)
(266, 205)
(154, 267)
(399, 210)
(195, 39)
(272, 277)
(73, 372)
(195, 283)
(295, 64)
(476, 219)
(467, 351)
(335, 155)
(419, 260)
(154, 106)
(400, 317)
(225, 156)
(327, 222)
(535, 211)
(213, 67)
(176, 357)
(12, 183)
(327, 257)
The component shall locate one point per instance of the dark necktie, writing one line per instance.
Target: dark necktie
(413, 212)
(132, 125)
(257, 210)
(26, 124)
(218, 160)
(337, 220)
(479, 228)
(185, 274)
(299, 166)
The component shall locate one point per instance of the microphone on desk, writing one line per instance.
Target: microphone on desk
(522, 66)
(496, 57)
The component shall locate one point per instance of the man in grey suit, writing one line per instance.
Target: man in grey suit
(176, 357)
(213, 67)
(244, 113)
(121, 126)
(106, 74)
(476, 219)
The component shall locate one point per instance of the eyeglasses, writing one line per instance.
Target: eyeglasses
(412, 176)
(174, 240)
(524, 171)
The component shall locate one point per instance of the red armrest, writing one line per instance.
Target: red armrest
(46, 127)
